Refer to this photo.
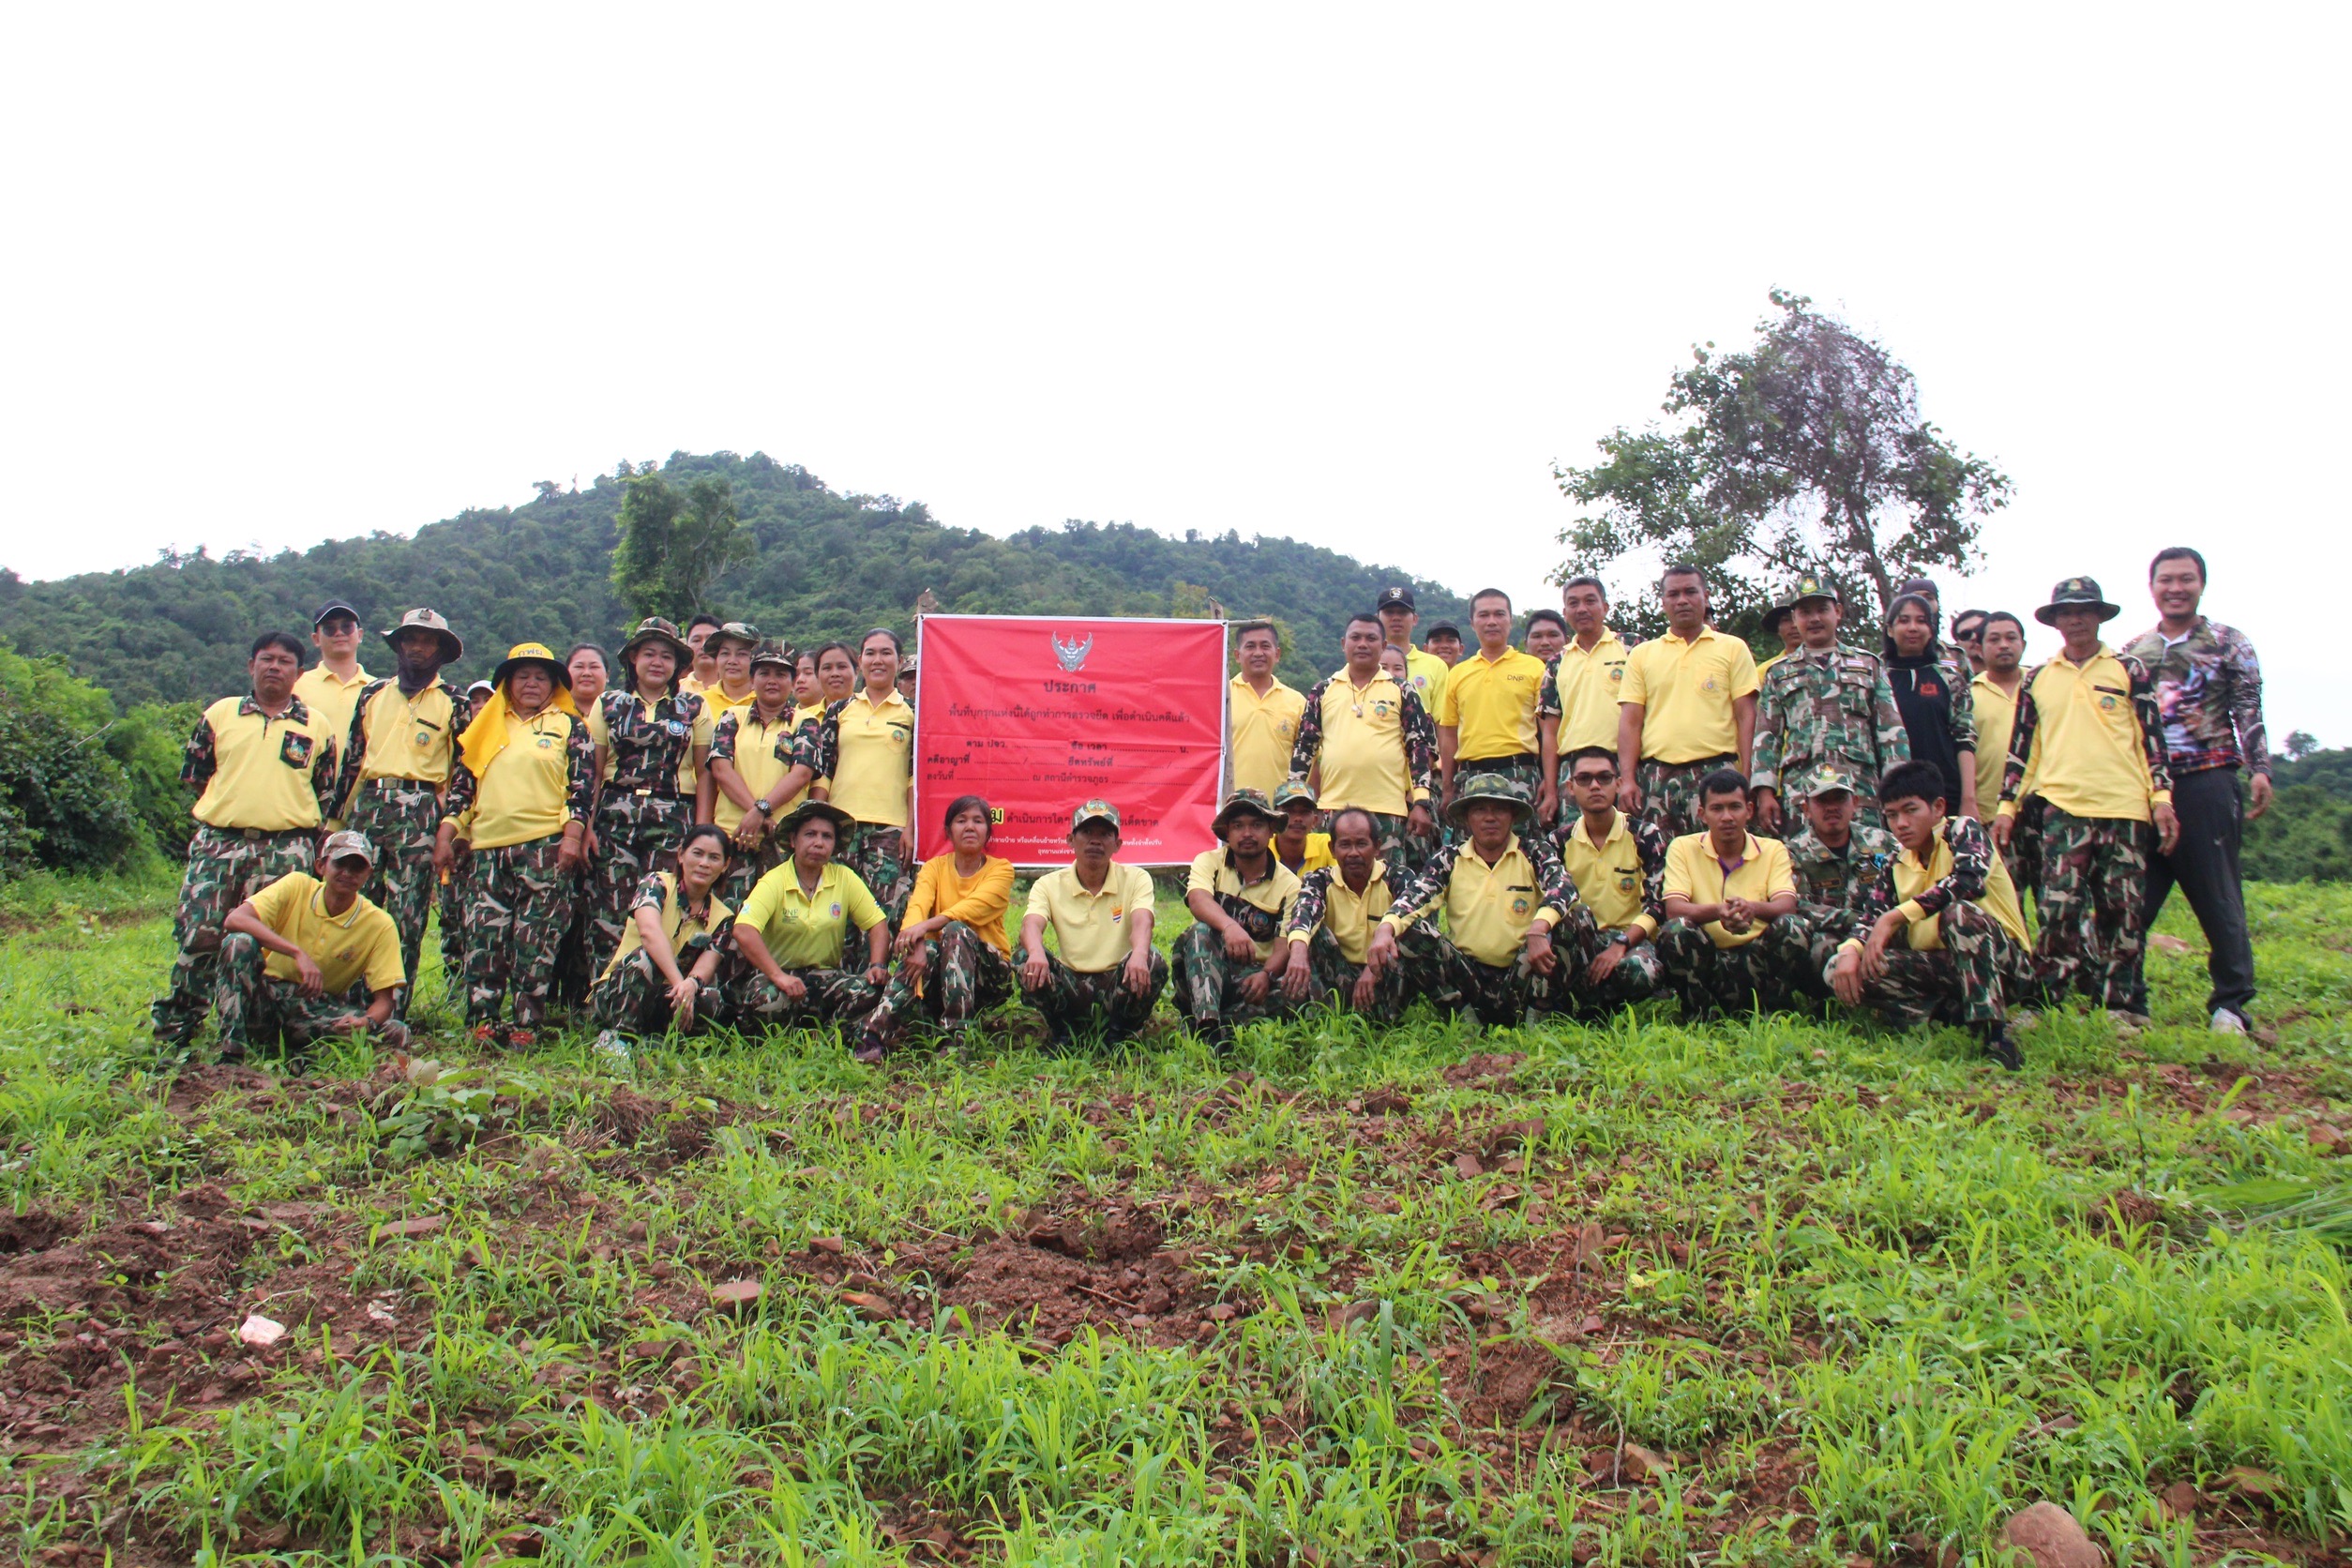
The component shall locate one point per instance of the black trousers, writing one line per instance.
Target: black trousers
(2205, 864)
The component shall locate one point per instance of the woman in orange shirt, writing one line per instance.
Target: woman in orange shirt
(954, 958)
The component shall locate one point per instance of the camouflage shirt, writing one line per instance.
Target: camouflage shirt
(1834, 886)
(645, 750)
(2209, 692)
(1971, 865)
(1424, 893)
(1827, 706)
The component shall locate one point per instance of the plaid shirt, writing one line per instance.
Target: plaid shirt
(2208, 690)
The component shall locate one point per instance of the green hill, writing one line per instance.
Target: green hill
(829, 565)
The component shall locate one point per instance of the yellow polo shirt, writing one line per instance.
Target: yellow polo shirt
(677, 924)
(1349, 915)
(979, 900)
(1693, 873)
(1588, 682)
(1999, 898)
(525, 793)
(809, 930)
(329, 700)
(1424, 673)
(1312, 858)
(2087, 757)
(360, 944)
(1487, 907)
(875, 761)
(1491, 704)
(262, 767)
(1609, 876)
(1090, 928)
(1996, 717)
(1687, 690)
(409, 737)
(1263, 731)
(764, 755)
(1273, 894)
(1362, 756)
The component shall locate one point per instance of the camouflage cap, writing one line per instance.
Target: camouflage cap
(2076, 591)
(771, 650)
(652, 628)
(1827, 780)
(340, 846)
(1094, 811)
(1492, 786)
(1292, 790)
(1245, 802)
(1810, 587)
(735, 631)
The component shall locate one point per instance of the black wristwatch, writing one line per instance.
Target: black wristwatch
(761, 807)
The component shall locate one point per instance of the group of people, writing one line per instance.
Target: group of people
(719, 836)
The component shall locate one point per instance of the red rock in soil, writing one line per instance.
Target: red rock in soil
(2180, 1499)
(2049, 1535)
(736, 1294)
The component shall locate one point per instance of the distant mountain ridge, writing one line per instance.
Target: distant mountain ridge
(829, 565)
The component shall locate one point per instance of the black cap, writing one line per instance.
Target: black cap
(1394, 596)
(334, 607)
(1444, 628)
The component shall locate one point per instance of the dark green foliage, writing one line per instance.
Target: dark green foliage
(676, 548)
(824, 565)
(81, 788)
(2306, 835)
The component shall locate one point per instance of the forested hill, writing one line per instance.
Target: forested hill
(829, 565)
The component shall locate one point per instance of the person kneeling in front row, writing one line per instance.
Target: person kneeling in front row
(1332, 921)
(1731, 937)
(1229, 965)
(665, 974)
(1942, 933)
(792, 933)
(955, 961)
(1107, 976)
(310, 957)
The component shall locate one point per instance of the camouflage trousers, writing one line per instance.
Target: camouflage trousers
(1764, 973)
(2091, 898)
(876, 852)
(636, 837)
(225, 867)
(1207, 983)
(1669, 792)
(258, 1009)
(1333, 979)
(518, 903)
(1638, 975)
(634, 998)
(575, 968)
(837, 996)
(452, 913)
(400, 816)
(745, 871)
(1401, 849)
(1978, 974)
(1074, 1000)
(962, 977)
(1499, 994)
(2024, 854)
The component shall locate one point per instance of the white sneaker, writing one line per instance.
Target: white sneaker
(2227, 1022)
(609, 1046)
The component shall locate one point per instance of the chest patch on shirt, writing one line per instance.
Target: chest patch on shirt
(294, 750)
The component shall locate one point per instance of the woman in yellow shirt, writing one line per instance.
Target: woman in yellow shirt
(517, 812)
(861, 758)
(955, 956)
(665, 974)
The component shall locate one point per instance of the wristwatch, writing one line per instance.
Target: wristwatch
(761, 807)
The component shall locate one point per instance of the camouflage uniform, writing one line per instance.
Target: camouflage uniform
(1404, 850)
(518, 900)
(634, 998)
(1760, 973)
(1978, 974)
(398, 817)
(1835, 886)
(751, 864)
(1829, 707)
(452, 916)
(641, 815)
(877, 851)
(1642, 973)
(1333, 978)
(837, 996)
(1073, 1001)
(1498, 994)
(1208, 981)
(1670, 794)
(256, 1008)
(963, 976)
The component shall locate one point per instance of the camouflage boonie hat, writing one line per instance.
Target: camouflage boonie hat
(1828, 778)
(2076, 591)
(1293, 789)
(652, 628)
(339, 845)
(1252, 802)
(1094, 811)
(1492, 786)
(735, 631)
(771, 650)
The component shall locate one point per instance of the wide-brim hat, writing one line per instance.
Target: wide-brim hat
(531, 653)
(813, 810)
(652, 628)
(1493, 786)
(421, 619)
(1245, 803)
(2074, 593)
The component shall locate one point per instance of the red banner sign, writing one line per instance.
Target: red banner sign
(1040, 713)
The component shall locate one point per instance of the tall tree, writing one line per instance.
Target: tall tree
(1803, 455)
(674, 545)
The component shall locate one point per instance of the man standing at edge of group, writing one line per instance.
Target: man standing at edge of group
(2088, 729)
(1486, 713)
(2208, 692)
(1366, 741)
(399, 752)
(1687, 709)
(1577, 705)
(307, 957)
(331, 688)
(1106, 974)
(1261, 714)
(263, 767)
(1823, 706)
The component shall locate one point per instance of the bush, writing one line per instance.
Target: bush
(81, 788)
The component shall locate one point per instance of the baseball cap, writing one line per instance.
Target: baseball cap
(1828, 778)
(334, 607)
(1094, 811)
(1399, 596)
(1444, 628)
(346, 843)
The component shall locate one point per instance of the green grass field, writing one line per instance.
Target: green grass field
(1766, 1291)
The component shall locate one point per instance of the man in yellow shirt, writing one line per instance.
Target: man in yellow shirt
(1366, 741)
(1941, 931)
(1300, 845)
(704, 673)
(1781, 622)
(792, 937)
(1618, 864)
(399, 751)
(2002, 643)
(1443, 644)
(263, 767)
(1229, 963)
(1516, 931)
(1332, 921)
(307, 957)
(1487, 712)
(331, 688)
(1732, 939)
(1578, 704)
(1106, 975)
(1686, 709)
(1261, 714)
(2088, 726)
(1546, 634)
(1425, 672)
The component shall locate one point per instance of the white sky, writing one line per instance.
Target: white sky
(1354, 274)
